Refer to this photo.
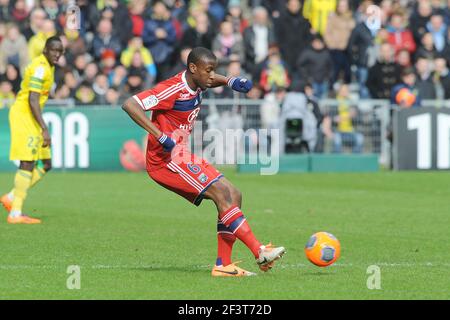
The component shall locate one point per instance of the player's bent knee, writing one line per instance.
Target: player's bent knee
(220, 194)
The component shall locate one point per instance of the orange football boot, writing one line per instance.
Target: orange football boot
(6, 202)
(230, 270)
(23, 219)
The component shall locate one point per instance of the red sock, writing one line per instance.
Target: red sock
(236, 222)
(225, 241)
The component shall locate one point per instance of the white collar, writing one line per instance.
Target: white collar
(183, 78)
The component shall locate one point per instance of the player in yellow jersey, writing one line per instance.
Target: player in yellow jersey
(30, 139)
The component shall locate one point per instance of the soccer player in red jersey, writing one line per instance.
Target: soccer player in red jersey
(174, 105)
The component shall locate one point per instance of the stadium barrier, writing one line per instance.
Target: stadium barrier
(104, 138)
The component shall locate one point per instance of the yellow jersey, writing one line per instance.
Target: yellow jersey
(317, 12)
(39, 78)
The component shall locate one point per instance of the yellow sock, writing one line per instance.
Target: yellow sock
(22, 183)
(38, 173)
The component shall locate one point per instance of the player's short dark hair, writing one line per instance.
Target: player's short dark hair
(51, 40)
(200, 53)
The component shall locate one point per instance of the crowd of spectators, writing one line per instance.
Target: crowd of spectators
(123, 47)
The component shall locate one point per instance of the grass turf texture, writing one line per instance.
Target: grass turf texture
(135, 240)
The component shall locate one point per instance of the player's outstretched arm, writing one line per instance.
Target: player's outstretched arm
(138, 115)
(33, 101)
(235, 83)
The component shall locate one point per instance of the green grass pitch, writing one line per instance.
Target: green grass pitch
(134, 240)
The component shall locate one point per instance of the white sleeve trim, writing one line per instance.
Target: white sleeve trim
(139, 101)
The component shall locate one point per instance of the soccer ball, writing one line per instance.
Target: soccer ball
(323, 249)
(405, 97)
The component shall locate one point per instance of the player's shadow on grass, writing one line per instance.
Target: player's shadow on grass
(170, 269)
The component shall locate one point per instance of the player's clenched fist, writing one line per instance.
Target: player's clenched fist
(167, 142)
(240, 84)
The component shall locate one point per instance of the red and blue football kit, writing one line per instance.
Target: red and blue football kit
(175, 108)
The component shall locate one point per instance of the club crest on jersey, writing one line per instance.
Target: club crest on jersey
(203, 178)
(193, 115)
(150, 101)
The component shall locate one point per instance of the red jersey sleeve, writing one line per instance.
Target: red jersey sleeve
(161, 97)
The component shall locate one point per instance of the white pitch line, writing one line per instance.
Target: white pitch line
(281, 265)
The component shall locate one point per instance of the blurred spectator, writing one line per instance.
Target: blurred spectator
(228, 45)
(271, 107)
(13, 49)
(181, 63)
(107, 61)
(426, 49)
(274, 72)
(117, 12)
(289, 28)
(441, 78)
(112, 97)
(135, 81)
(317, 12)
(315, 65)
(79, 65)
(399, 36)
(136, 45)
(6, 92)
(37, 18)
(419, 19)
(233, 70)
(90, 72)
(404, 58)
(236, 16)
(438, 30)
(5, 11)
(51, 8)
(12, 74)
(105, 40)
(424, 83)
(345, 133)
(37, 42)
(62, 92)
(137, 9)
(214, 9)
(71, 82)
(408, 81)
(337, 35)
(257, 39)
(159, 36)
(313, 107)
(118, 77)
(138, 63)
(361, 50)
(85, 95)
(384, 74)
(202, 35)
(20, 11)
(100, 87)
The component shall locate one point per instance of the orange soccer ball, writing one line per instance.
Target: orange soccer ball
(405, 97)
(323, 249)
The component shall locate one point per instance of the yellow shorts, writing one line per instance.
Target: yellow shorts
(26, 138)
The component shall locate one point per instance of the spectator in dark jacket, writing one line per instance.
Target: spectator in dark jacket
(159, 36)
(104, 39)
(257, 39)
(384, 74)
(316, 66)
(424, 82)
(293, 32)
(419, 19)
(5, 10)
(201, 35)
(441, 78)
